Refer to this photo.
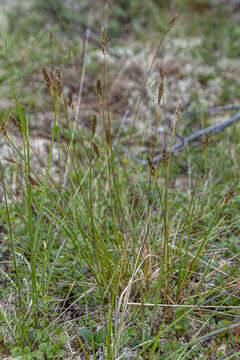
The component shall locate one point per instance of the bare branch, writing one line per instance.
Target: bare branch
(225, 2)
(211, 130)
(212, 109)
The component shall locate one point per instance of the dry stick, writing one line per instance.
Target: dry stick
(82, 75)
(185, 306)
(213, 129)
(212, 109)
(225, 2)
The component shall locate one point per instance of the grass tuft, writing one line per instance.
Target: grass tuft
(105, 258)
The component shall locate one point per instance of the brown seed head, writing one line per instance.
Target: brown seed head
(16, 122)
(205, 144)
(104, 39)
(151, 166)
(70, 100)
(48, 80)
(11, 160)
(95, 147)
(178, 109)
(160, 92)
(93, 125)
(172, 21)
(47, 77)
(33, 182)
(56, 77)
(206, 140)
(108, 136)
(3, 129)
(99, 91)
(135, 201)
(229, 195)
(58, 73)
(52, 75)
(165, 158)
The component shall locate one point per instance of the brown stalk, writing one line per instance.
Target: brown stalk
(229, 195)
(95, 147)
(70, 100)
(205, 144)
(151, 166)
(48, 81)
(99, 91)
(178, 112)
(93, 124)
(165, 159)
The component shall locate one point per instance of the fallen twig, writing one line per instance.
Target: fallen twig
(211, 130)
(225, 2)
(212, 109)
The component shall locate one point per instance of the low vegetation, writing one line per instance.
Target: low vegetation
(107, 254)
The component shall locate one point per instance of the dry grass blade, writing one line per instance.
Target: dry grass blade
(11, 160)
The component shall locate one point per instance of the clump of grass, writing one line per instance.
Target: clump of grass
(116, 251)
